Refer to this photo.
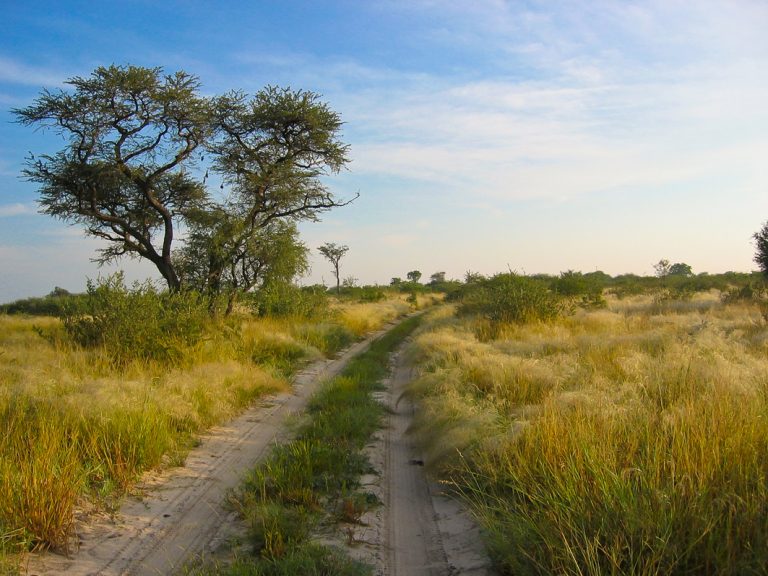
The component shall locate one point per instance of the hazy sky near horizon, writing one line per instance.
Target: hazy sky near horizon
(485, 135)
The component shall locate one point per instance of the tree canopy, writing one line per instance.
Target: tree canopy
(680, 269)
(413, 276)
(761, 243)
(334, 253)
(141, 147)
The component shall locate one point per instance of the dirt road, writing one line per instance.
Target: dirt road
(418, 531)
(182, 514)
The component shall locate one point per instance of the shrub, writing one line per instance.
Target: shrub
(285, 299)
(371, 294)
(54, 304)
(746, 293)
(511, 299)
(571, 283)
(137, 323)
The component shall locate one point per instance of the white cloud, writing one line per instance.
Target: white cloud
(15, 72)
(17, 209)
(622, 109)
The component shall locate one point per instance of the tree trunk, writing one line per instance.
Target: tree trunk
(338, 280)
(231, 303)
(168, 273)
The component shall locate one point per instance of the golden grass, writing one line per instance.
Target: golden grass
(362, 318)
(74, 427)
(632, 440)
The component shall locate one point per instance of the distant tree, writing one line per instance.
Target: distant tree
(350, 282)
(761, 242)
(413, 276)
(437, 278)
(680, 269)
(395, 281)
(59, 292)
(662, 268)
(334, 253)
(473, 277)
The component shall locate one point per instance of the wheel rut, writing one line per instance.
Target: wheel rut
(419, 530)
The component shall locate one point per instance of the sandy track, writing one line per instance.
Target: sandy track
(428, 533)
(182, 515)
(418, 531)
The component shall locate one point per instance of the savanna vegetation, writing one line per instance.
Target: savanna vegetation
(601, 425)
(126, 376)
(595, 424)
(97, 388)
(146, 155)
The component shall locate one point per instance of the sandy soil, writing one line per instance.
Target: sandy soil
(419, 531)
(182, 513)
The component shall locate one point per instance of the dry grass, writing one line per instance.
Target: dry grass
(75, 427)
(72, 425)
(632, 440)
(362, 318)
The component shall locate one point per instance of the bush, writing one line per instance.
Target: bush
(585, 290)
(52, 305)
(747, 293)
(285, 299)
(511, 299)
(140, 323)
(371, 294)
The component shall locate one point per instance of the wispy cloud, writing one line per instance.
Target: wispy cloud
(629, 95)
(15, 72)
(16, 209)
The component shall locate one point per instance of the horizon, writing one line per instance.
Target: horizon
(485, 136)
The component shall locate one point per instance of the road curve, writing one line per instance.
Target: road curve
(183, 515)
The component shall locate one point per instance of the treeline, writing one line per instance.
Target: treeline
(285, 298)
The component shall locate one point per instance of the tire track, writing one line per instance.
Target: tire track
(426, 533)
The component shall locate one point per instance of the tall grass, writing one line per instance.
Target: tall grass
(361, 318)
(632, 440)
(77, 425)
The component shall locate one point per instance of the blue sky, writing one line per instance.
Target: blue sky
(485, 134)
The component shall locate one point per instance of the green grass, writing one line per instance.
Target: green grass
(313, 480)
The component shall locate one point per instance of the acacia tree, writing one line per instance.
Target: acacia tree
(680, 269)
(662, 268)
(132, 136)
(334, 253)
(413, 276)
(135, 138)
(761, 242)
(271, 150)
(437, 278)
